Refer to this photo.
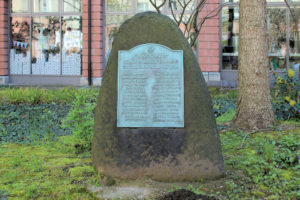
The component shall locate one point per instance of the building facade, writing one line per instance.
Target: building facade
(67, 42)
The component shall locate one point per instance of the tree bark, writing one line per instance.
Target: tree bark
(254, 107)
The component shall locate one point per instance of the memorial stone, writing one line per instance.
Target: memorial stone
(154, 117)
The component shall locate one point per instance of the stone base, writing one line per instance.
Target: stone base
(4, 80)
(166, 171)
(44, 80)
(212, 76)
(161, 154)
(212, 79)
(95, 81)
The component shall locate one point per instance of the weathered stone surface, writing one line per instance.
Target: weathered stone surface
(166, 154)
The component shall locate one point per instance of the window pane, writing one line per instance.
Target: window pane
(72, 45)
(277, 37)
(295, 38)
(186, 27)
(20, 46)
(119, 5)
(282, 1)
(46, 45)
(267, 1)
(145, 5)
(72, 5)
(231, 1)
(46, 6)
(178, 5)
(112, 25)
(230, 32)
(19, 6)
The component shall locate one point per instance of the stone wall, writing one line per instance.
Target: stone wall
(97, 38)
(208, 41)
(3, 38)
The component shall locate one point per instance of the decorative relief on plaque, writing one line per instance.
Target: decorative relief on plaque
(150, 87)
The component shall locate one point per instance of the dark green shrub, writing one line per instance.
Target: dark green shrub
(31, 95)
(80, 119)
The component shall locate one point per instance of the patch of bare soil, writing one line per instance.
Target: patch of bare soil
(186, 195)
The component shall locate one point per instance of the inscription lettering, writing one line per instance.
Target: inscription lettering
(150, 87)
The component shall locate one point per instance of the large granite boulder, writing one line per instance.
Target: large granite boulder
(165, 154)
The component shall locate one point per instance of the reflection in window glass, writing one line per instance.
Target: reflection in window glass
(276, 22)
(178, 5)
(230, 32)
(19, 6)
(46, 45)
(186, 26)
(231, 1)
(145, 5)
(269, 1)
(295, 39)
(113, 23)
(119, 5)
(46, 5)
(20, 45)
(277, 37)
(72, 5)
(72, 45)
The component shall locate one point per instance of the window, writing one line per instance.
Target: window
(45, 45)
(20, 45)
(277, 32)
(144, 5)
(46, 37)
(283, 32)
(294, 51)
(72, 5)
(46, 6)
(230, 31)
(20, 6)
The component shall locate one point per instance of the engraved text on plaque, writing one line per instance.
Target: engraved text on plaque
(150, 87)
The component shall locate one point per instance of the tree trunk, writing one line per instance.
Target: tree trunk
(254, 108)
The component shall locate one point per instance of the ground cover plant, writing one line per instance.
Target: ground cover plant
(31, 115)
(27, 123)
(49, 162)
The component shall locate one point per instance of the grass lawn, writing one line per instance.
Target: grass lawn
(259, 165)
(48, 171)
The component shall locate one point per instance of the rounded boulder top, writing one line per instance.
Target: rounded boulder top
(161, 153)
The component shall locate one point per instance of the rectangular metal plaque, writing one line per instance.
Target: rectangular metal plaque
(150, 87)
